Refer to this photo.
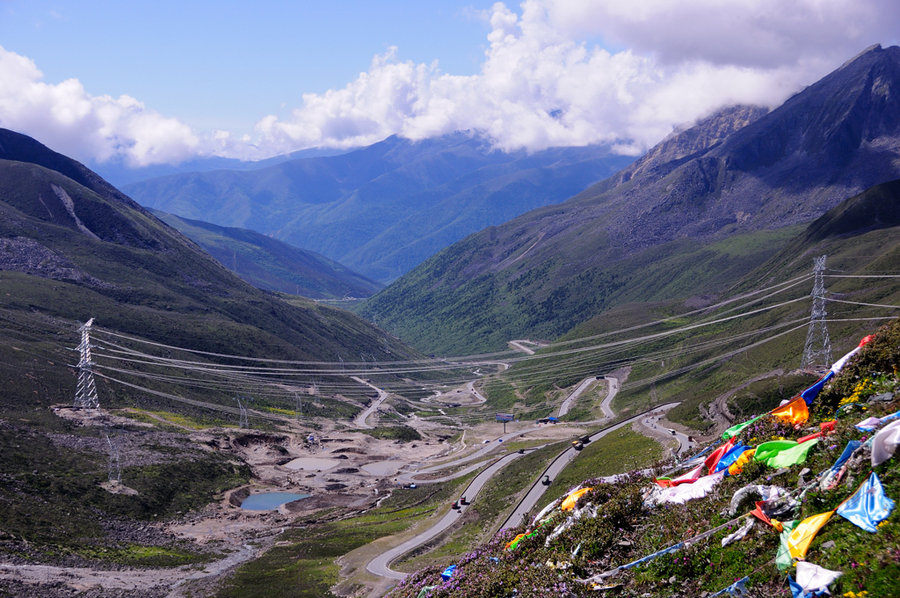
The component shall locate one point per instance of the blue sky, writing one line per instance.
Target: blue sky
(226, 63)
(154, 82)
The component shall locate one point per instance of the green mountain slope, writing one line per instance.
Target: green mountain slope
(736, 173)
(624, 537)
(73, 251)
(72, 248)
(382, 209)
(270, 264)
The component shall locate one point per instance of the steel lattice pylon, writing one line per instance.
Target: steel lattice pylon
(817, 351)
(244, 421)
(115, 472)
(85, 391)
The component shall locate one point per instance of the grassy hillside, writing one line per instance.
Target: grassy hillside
(73, 248)
(680, 547)
(542, 273)
(269, 264)
(535, 305)
(693, 351)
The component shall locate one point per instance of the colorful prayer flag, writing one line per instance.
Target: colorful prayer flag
(868, 506)
(805, 532)
(795, 412)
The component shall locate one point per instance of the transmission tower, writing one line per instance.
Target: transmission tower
(85, 391)
(244, 420)
(115, 473)
(298, 404)
(817, 351)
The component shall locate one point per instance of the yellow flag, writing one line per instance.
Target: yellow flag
(794, 412)
(804, 533)
(569, 503)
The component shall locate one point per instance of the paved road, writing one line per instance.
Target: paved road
(380, 565)
(611, 392)
(651, 421)
(471, 386)
(570, 400)
(360, 420)
(557, 465)
(480, 455)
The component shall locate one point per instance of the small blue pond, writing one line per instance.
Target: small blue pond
(267, 501)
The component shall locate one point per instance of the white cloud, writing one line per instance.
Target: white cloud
(72, 121)
(555, 72)
(546, 80)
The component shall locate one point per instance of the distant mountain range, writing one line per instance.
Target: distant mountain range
(73, 247)
(120, 174)
(382, 209)
(273, 265)
(705, 206)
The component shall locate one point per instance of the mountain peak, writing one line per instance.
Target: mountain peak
(874, 48)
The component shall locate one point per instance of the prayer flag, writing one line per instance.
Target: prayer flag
(783, 557)
(738, 428)
(885, 442)
(714, 457)
(572, 499)
(769, 449)
(810, 394)
(738, 466)
(813, 580)
(791, 456)
(730, 457)
(805, 532)
(868, 506)
(794, 412)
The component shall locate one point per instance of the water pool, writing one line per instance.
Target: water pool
(266, 501)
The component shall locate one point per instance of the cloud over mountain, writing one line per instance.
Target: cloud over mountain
(72, 120)
(555, 72)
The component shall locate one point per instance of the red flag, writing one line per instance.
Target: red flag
(717, 454)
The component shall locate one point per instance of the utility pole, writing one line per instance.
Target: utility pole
(115, 472)
(244, 421)
(85, 391)
(817, 351)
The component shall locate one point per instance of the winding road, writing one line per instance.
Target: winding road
(570, 400)
(360, 420)
(559, 463)
(380, 565)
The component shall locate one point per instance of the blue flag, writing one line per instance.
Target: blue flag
(810, 394)
(868, 505)
(730, 457)
(852, 445)
(797, 590)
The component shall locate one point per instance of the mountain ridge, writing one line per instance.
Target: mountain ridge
(543, 272)
(382, 209)
(272, 265)
(105, 253)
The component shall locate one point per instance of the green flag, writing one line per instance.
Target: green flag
(738, 428)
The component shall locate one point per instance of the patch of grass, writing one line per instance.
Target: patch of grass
(143, 556)
(402, 433)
